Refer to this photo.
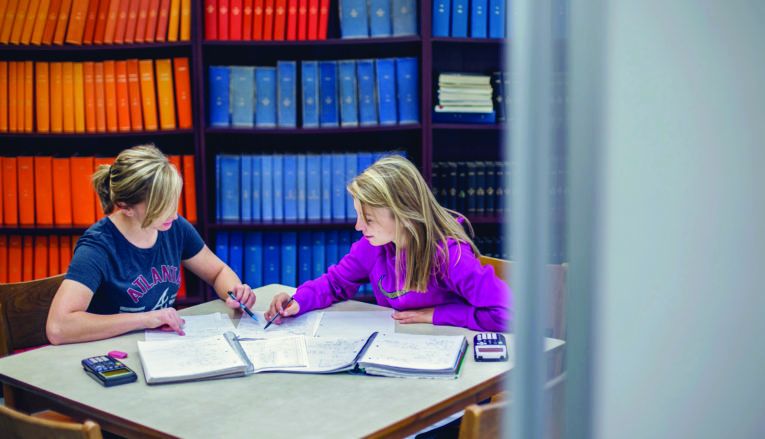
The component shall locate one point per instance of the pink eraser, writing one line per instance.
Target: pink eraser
(118, 354)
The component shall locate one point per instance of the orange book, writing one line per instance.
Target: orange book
(134, 95)
(143, 16)
(77, 18)
(185, 20)
(20, 98)
(111, 21)
(56, 98)
(83, 202)
(183, 92)
(175, 160)
(89, 92)
(14, 259)
(40, 21)
(79, 98)
(146, 70)
(53, 256)
(26, 189)
(3, 96)
(122, 18)
(12, 91)
(123, 100)
(3, 258)
(98, 82)
(163, 16)
(110, 89)
(64, 253)
(50, 22)
(67, 102)
(174, 20)
(8, 18)
(165, 94)
(62, 191)
(98, 161)
(44, 189)
(61, 22)
(40, 267)
(151, 21)
(190, 188)
(131, 21)
(27, 258)
(29, 21)
(90, 22)
(42, 96)
(10, 192)
(18, 21)
(29, 96)
(103, 14)
(280, 20)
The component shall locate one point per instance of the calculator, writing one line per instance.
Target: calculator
(108, 371)
(489, 346)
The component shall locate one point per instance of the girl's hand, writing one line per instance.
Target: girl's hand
(422, 315)
(166, 318)
(243, 294)
(277, 307)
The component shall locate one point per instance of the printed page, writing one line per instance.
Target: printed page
(206, 325)
(355, 323)
(417, 352)
(305, 325)
(276, 353)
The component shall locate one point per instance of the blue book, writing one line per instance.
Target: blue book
(328, 109)
(464, 117)
(290, 187)
(236, 252)
(305, 251)
(278, 177)
(351, 170)
(219, 96)
(364, 160)
(230, 182)
(478, 19)
(246, 187)
(407, 80)
(460, 18)
(302, 211)
(218, 197)
(310, 91)
(404, 16)
(257, 181)
(253, 259)
(365, 76)
(441, 16)
(271, 258)
(286, 93)
(221, 245)
(338, 186)
(313, 186)
(343, 243)
(267, 187)
(353, 18)
(349, 111)
(319, 258)
(386, 90)
(242, 96)
(265, 92)
(326, 187)
(379, 18)
(498, 95)
(331, 255)
(497, 18)
(289, 259)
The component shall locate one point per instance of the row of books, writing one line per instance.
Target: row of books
(345, 93)
(29, 257)
(492, 246)
(473, 188)
(287, 186)
(43, 190)
(266, 20)
(464, 98)
(469, 18)
(78, 22)
(377, 18)
(108, 96)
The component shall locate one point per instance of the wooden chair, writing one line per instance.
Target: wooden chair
(483, 421)
(15, 424)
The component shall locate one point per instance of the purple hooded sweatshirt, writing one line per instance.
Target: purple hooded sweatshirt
(468, 295)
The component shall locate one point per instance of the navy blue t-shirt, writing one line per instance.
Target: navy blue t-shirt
(125, 278)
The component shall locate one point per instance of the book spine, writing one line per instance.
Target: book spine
(265, 91)
(100, 92)
(174, 20)
(219, 96)
(331, 254)
(8, 19)
(185, 20)
(62, 191)
(280, 20)
(211, 20)
(286, 93)
(451, 195)
(326, 187)
(268, 20)
(39, 22)
(290, 187)
(132, 21)
(470, 188)
(313, 20)
(478, 20)
(462, 187)
(230, 181)
(278, 177)
(54, 265)
(365, 71)
(255, 191)
(3, 250)
(271, 258)
(67, 84)
(318, 254)
(242, 82)
(305, 252)
(134, 95)
(480, 188)
(112, 16)
(236, 252)
(101, 18)
(165, 93)
(152, 20)
(441, 15)
(292, 20)
(310, 91)
(246, 187)
(189, 186)
(3, 96)
(123, 97)
(349, 113)
(386, 90)
(121, 25)
(267, 187)
(489, 188)
(407, 80)
(221, 246)
(323, 19)
(163, 20)
(28, 255)
(79, 98)
(110, 95)
(351, 170)
(302, 28)
(379, 18)
(247, 20)
(26, 190)
(497, 18)
(460, 18)
(313, 187)
(353, 19)
(148, 97)
(235, 20)
(328, 110)
(253, 258)
(89, 94)
(42, 95)
(257, 20)
(301, 175)
(15, 258)
(44, 190)
(289, 261)
(404, 17)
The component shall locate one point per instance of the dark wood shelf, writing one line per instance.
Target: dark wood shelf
(158, 133)
(469, 126)
(462, 40)
(410, 39)
(280, 225)
(143, 47)
(44, 229)
(312, 131)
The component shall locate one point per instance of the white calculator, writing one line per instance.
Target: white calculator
(489, 346)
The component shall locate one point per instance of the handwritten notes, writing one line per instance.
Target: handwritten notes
(206, 325)
(305, 325)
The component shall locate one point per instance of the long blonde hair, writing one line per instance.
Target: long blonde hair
(139, 174)
(422, 225)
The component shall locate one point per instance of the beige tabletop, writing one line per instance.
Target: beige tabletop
(264, 405)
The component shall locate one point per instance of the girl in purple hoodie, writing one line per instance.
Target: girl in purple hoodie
(415, 254)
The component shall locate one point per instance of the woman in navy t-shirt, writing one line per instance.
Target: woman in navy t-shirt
(126, 268)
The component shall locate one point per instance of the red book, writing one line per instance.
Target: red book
(64, 253)
(62, 191)
(3, 259)
(28, 258)
(323, 18)
(268, 20)
(183, 92)
(122, 19)
(223, 20)
(123, 100)
(247, 20)
(83, 204)
(53, 256)
(26, 189)
(302, 19)
(132, 21)
(151, 21)
(292, 19)
(235, 20)
(40, 268)
(162, 20)
(102, 15)
(280, 19)
(50, 23)
(190, 188)
(4, 98)
(211, 20)
(143, 17)
(90, 21)
(257, 20)
(112, 16)
(134, 94)
(175, 160)
(313, 19)
(14, 258)
(10, 194)
(44, 189)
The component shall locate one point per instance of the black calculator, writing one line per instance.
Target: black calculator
(489, 346)
(108, 371)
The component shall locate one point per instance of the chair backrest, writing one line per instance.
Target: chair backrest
(24, 313)
(15, 424)
(483, 421)
(502, 268)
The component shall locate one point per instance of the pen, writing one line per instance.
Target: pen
(286, 305)
(247, 310)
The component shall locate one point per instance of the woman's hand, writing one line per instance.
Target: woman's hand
(422, 315)
(165, 317)
(277, 307)
(243, 294)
